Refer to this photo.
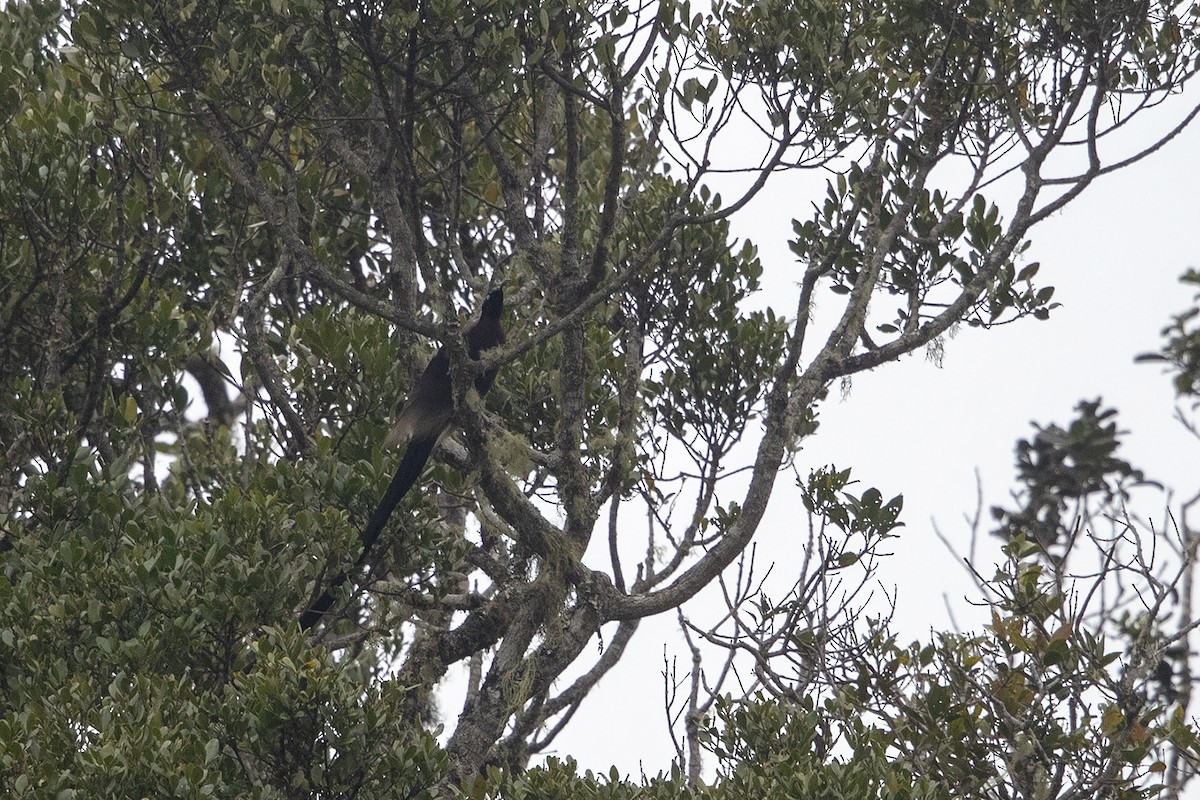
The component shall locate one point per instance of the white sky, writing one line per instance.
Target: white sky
(912, 428)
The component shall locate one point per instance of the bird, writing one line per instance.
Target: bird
(423, 422)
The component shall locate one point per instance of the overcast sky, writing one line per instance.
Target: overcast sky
(913, 428)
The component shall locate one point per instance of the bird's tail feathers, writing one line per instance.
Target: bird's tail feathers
(406, 475)
(312, 615)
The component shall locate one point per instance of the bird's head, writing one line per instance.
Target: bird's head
(493, 304)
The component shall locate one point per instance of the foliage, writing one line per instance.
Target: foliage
(231, 233)
(1182, 350)
(1062, 466)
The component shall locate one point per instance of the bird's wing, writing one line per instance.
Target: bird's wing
(430, 406)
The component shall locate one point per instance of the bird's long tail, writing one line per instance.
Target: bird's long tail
(406, 475)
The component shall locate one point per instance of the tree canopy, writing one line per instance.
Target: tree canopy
(231, 235)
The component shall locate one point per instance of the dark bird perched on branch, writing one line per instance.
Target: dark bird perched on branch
(423, 422)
